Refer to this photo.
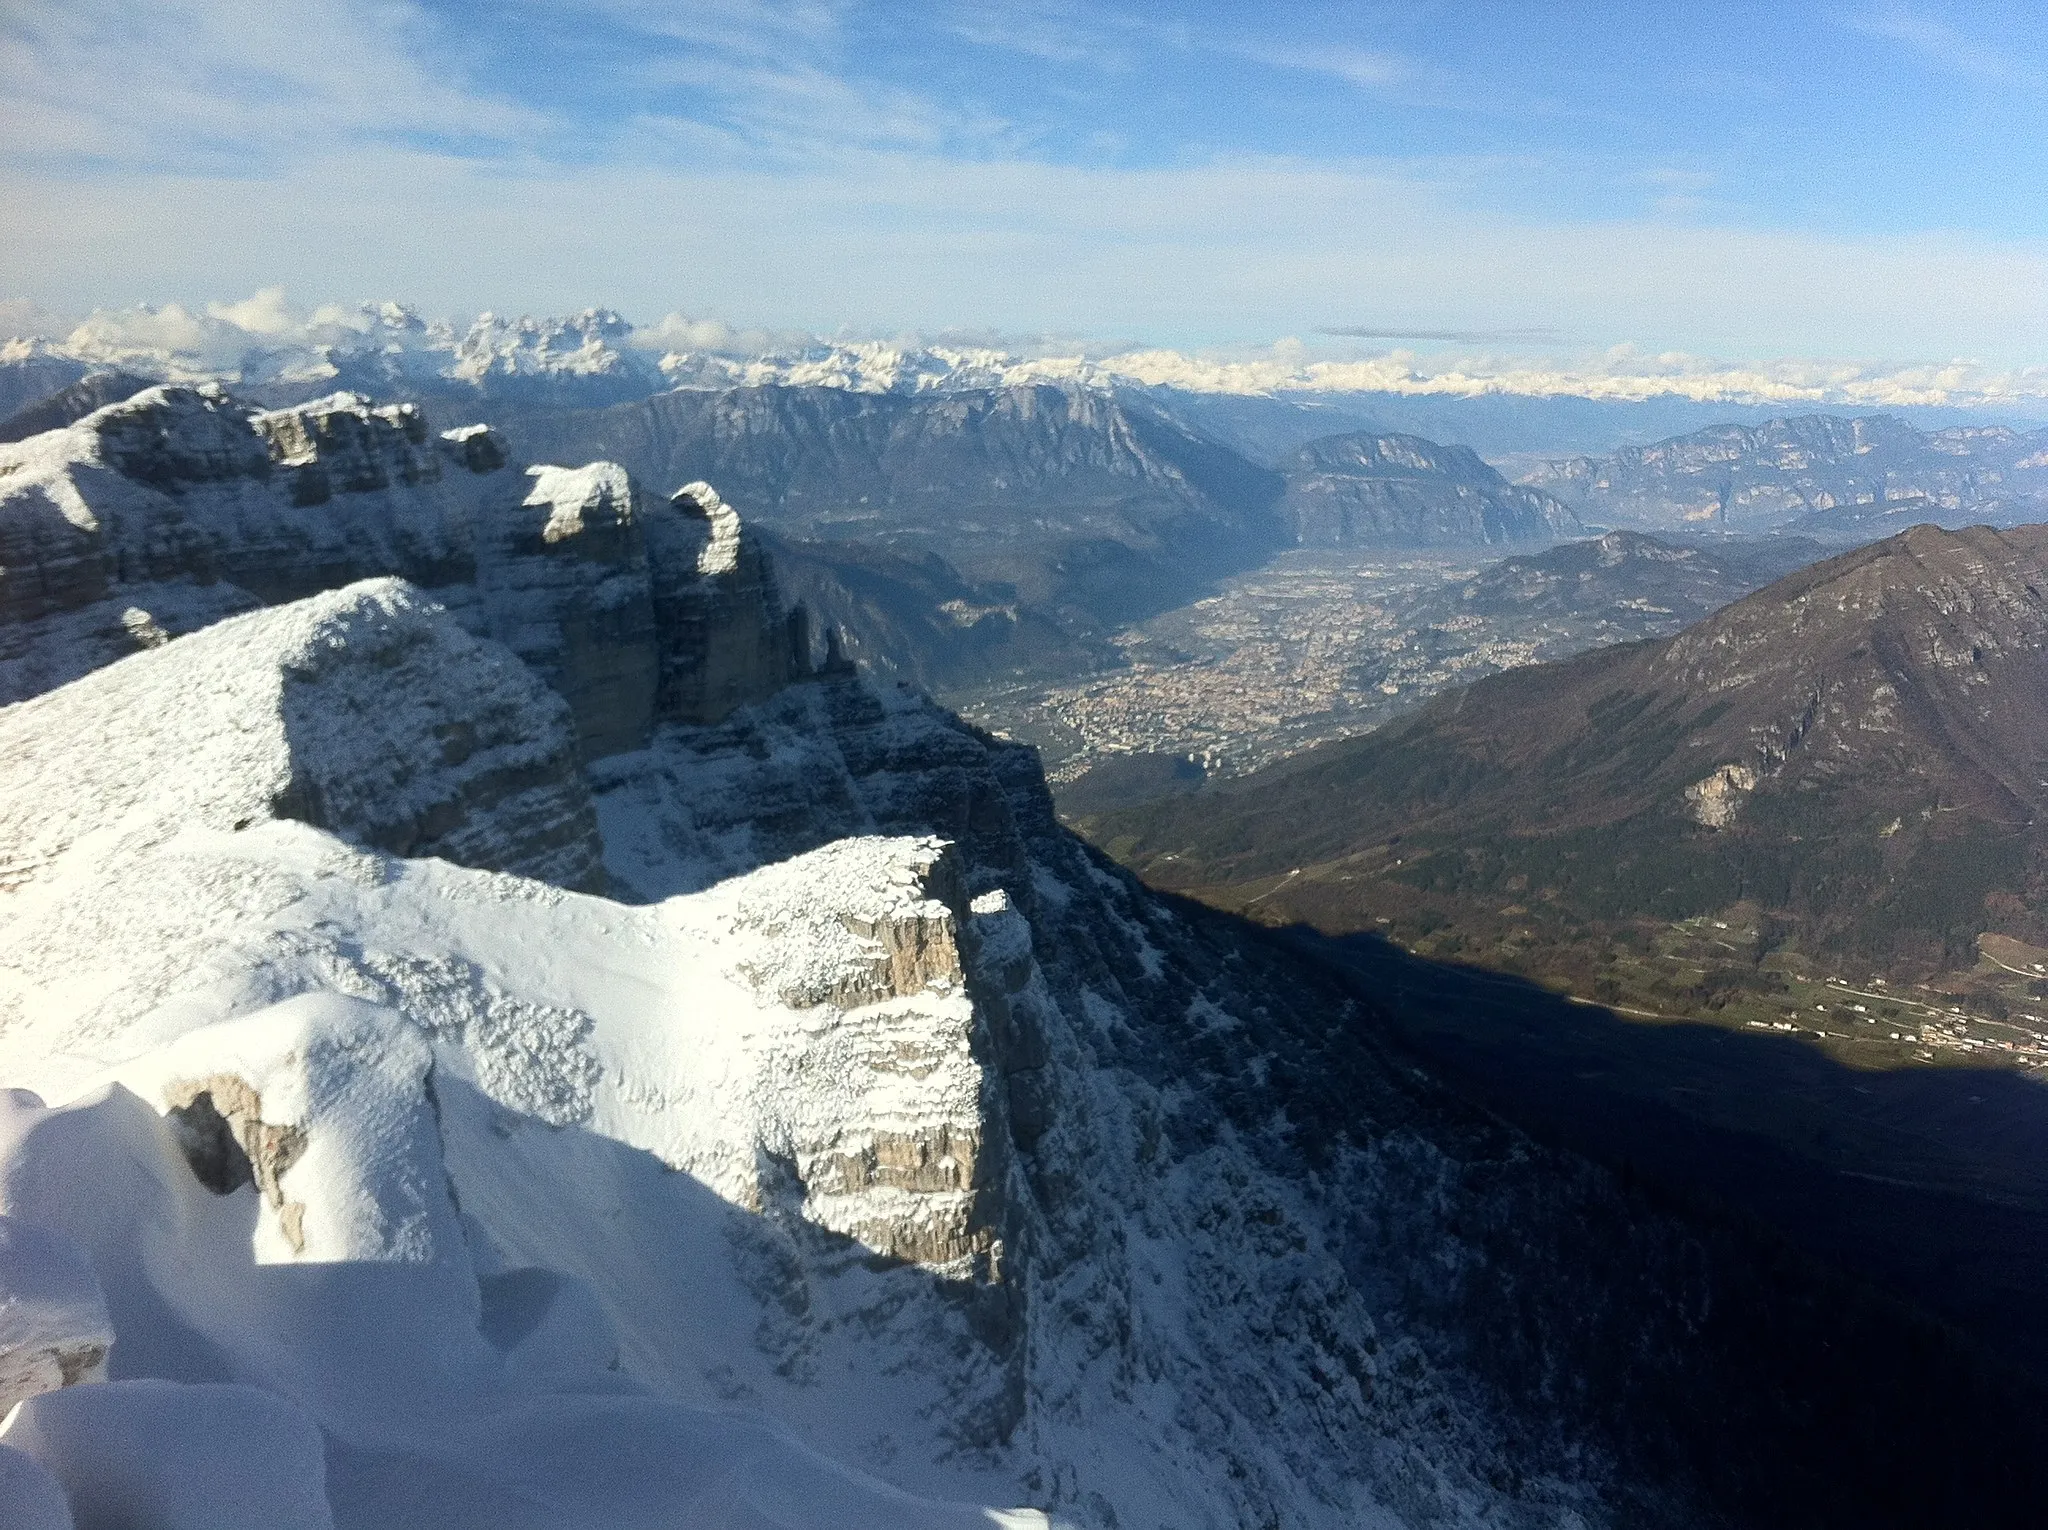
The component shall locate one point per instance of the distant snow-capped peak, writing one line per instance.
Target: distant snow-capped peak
(602, 356)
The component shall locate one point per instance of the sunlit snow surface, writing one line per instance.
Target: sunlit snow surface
(581, 1053)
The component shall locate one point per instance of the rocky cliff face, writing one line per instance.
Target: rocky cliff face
(167, 511)
(366, 712)
(1820, 475)
(1393, 491)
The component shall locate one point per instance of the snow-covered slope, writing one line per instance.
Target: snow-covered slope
(859, 1142)
(367, 711)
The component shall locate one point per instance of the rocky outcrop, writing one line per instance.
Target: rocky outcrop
(324, 1109)
(368, 711)
(166, 512)
(181, 505)
(1716, 799)
(219, 1124)
(725, 639)
(54, 1328)
(903, 1157)
(1395, 491)
(1054, 512)
(564, 583)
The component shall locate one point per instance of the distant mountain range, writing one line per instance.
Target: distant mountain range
(1820, 475)
(70, 404)
(1618, 588)
(964, 536)
(1525, 406)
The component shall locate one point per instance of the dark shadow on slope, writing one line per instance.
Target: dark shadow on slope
(1716, 1310)
(1933, 1181)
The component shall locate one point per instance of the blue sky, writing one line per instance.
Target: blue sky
(1856, 180)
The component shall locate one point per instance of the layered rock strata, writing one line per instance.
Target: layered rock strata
(170, 510)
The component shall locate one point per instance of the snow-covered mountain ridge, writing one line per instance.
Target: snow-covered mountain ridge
(596, 357)
(164, 512)
(486, 1071)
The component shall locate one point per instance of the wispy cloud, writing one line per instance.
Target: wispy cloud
(798, 108)
(222, 83)
(1950, 49)
(1104, 37)
(763, 30)
(1367, 68)
(1052, 30)
(886, 242)
(1456, 336)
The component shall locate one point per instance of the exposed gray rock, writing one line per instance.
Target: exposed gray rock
(725, 638)
(565, 585)
(183, 504)
(219, 1123)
